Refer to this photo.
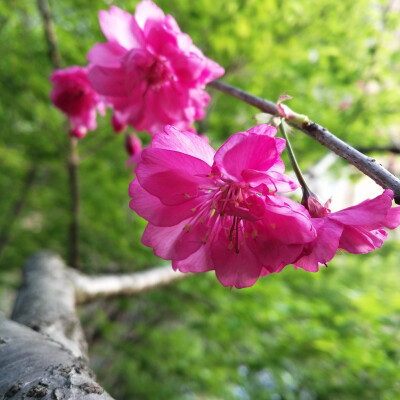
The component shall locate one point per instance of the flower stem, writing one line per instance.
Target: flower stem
(293, 160)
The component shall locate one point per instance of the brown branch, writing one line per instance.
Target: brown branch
(73, 159)
(366, 165)
(50, 33)
(5, 232)
(73, 174)
(89, 288)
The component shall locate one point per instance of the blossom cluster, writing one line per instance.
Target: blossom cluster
(221, 210)
(149, 72)
(206, 210)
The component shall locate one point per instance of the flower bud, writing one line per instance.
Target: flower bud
(133, 144)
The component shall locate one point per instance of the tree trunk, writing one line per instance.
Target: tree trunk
(43, 354)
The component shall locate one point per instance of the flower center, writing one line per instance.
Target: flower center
(226, 212)
(158, 73)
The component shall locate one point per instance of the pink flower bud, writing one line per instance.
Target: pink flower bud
(78, 132)
(284, 110)
(311, 202)
(133, 144)
(117, 125)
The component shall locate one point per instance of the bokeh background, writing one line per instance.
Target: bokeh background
(297, 335)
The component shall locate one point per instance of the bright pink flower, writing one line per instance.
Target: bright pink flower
(151, 72)
(219, 211)
(357, 229)
(73, 94)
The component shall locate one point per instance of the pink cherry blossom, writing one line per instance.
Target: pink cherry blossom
(151, 72)
(358, 229)
(219, 210)
(73, 94)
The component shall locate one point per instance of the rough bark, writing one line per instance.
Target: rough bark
(34, 366)
(46, 302)
(46, 359)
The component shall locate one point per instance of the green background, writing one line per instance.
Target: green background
(296, 335)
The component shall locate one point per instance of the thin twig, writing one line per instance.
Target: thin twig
(73, 175)
(5, 233)
(292, 159)
(72, 157)
(50, 34)
(366, 165)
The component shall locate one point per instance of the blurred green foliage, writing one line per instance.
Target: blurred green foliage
(296, 335)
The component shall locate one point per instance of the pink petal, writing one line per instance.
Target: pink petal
(392, 219)
(171, 176)
(324, 248)
(274, 181)
(106, 54)
(211, 71)
(151, 209)
(282, 182)
(176, 242)
(109, 81)
(188, 67)
(358, 240)
(287, 220)
(369, 212)
(263, 129)
(233, 269)
(245, 152)
(270, 251)
(162, 239)
(147, 10)
(184, 142)
(199, 261)
(120, 27)
(160, 40)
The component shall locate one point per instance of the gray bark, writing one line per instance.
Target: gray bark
(46, 302)
(43, 353)
(34, 366)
